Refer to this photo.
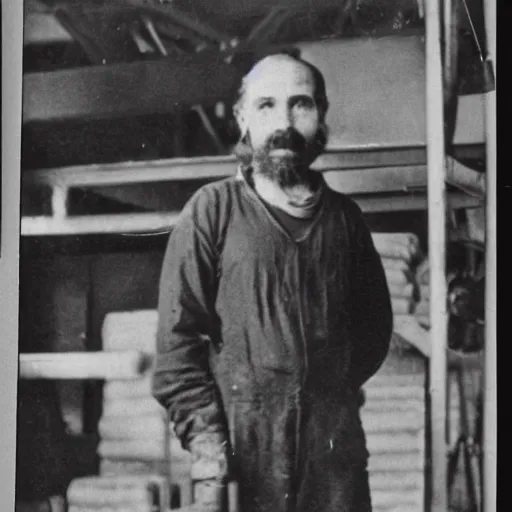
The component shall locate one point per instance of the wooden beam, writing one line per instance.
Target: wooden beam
(466, 179)
(349, 181)
(120, 90)
(180, 18)
(80, 32)
(269, 24)
(95, 224)
(162, 222)
(389, 162)
(84, 365)
(43, 28)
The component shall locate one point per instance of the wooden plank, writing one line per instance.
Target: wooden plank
(91, 224)
(417, 202)
(43, 28)
(83, 365)
(116, 90)
(162, 222)
(359, 180)
(380, 179)
(213, 167)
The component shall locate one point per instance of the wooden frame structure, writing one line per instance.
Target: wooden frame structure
(377, 188)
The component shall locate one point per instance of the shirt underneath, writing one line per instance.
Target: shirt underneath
(296, 226)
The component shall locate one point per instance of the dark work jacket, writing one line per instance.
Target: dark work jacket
(268, 340)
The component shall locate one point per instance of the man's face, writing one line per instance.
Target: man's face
(281, 117)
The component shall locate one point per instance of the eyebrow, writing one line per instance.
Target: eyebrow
(261, 99)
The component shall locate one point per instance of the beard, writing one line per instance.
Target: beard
(286, 170)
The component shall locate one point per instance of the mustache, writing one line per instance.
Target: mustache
(286, 139)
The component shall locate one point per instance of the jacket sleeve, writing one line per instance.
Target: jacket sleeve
(182, 380)
(370, 305)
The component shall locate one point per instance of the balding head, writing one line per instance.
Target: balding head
(271, 72)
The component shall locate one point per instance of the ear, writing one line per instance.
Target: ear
(241, 118)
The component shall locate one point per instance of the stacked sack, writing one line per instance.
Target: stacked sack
(399, 253)
(393, 414)
(393, 418)
(132, 428)
(141, 493)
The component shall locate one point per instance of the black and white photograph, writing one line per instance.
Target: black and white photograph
(257, 256)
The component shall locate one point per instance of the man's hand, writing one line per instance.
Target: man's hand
(209, 457)
(209, 470)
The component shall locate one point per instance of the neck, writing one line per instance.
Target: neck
(308, 183)
(298, 200)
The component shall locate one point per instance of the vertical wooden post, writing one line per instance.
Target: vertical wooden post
(437, 254)
(490, 382)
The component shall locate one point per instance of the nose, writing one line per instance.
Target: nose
(283, 118)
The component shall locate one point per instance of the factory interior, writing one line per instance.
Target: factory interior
(127, 112)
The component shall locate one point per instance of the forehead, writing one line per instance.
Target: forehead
(279, 76)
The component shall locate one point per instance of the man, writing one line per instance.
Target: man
(274, 310)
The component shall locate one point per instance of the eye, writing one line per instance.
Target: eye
(265, 104)
(303, 103)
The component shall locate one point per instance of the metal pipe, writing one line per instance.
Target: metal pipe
(490, 383)
(437, 250)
